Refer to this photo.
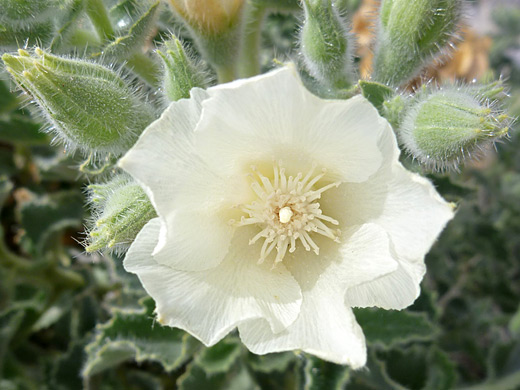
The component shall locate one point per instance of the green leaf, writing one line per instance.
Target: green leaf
(195, 378)
(66, 370)
(140, 31)
(376, 93)
(44, 216)
(221, 357)
(374, 376)
(68, 23)
(271, 362)
(21, 130)
(388, 328)
(441, 371)
(136, 336)
(319, 374)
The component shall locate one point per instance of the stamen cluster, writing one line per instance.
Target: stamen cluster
(287, 210)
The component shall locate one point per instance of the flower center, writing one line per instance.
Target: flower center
(288, 211)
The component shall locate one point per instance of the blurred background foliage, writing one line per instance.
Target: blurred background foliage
(69, 320)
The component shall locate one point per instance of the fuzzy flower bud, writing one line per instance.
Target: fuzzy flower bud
(181, 73)
(214, 26)
(88, 105)
(121, 209)
(325, 44)
(410, 33)
(211, 17)
(444, 126)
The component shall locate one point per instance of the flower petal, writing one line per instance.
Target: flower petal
(209, 304)
(181, 180)
(251, 120)
(409, 209)
(326, 327)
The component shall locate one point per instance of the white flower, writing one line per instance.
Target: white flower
(278, 212)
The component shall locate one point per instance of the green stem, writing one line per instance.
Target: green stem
(144, 67)
(249, 59)
(97, 13)
(225, 73)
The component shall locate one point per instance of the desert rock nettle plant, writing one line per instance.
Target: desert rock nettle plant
(273, 203)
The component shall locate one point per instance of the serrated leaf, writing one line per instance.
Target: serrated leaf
(66, 370)
(388, 328)
(136, 36)
(376, 93)
(195, 378)
(135, 335)
(271, 362)
(220, 357)
(374, 376)
(319, 374)
(274, 371)
(43, 216)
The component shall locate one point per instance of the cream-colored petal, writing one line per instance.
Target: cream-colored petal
(185, 191)
(273, 116)
(193, 240)
(413, 214)
(396, 290)
(325, 326)
(166, 162)
(209, 304)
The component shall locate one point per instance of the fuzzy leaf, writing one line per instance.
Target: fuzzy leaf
(42, 217)
(319, 374)
(271, 362)
(136, 36)
(135, 335)
(221, 357)
(195, 378)
(376, 93)
(391, 327)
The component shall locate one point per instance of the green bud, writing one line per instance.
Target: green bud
(326, 46)
(121, 209)
(444, 126)
(88, 105)
(181, 73)
(410, 33)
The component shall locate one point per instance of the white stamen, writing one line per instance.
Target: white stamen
(287, 211)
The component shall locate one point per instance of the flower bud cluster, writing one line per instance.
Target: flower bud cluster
(88, 106)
